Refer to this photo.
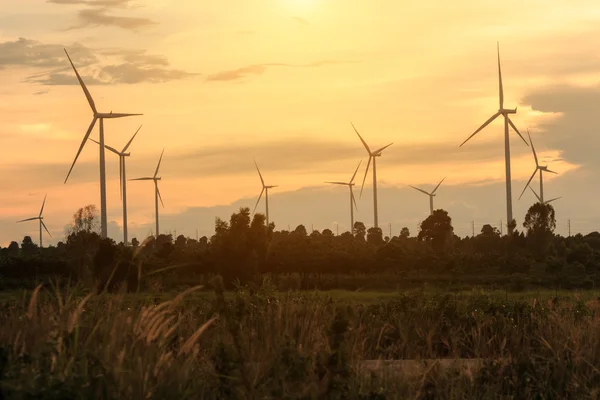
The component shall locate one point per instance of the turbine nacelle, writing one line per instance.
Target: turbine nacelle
(505, 111)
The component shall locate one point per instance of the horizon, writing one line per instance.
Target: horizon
(289, 105)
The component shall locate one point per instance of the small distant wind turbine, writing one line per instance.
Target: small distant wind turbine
(540, 200)
(540, 168)
(157, 195)
(123, 178)
(265, 189)
(507, 121)
(41, 219)
(431, 195)
(97, 116)
(352, 199)
(372, 155)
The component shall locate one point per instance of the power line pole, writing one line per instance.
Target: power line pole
(197, 238)
(337, 229)
(501, 233)
(473, 228)
(390, 230)
(569, 224)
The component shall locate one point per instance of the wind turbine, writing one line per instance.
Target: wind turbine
(157, 195)
(507, 121)
(540, 168)
(540, 200)
(41, 219)
(372, 155)
(97, 116)
(123, 178)
(352, 199)
(265, 189)
(431, 195)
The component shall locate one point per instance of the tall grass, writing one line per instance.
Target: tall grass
(66, 344)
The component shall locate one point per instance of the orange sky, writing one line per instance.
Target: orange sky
(241, 76)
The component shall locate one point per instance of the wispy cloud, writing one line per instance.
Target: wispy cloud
(259, 69)
(134, 66)
(100, 17)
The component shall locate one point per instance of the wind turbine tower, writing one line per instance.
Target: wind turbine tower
(505, 112)
(352, 199)
(157, 195)
(98, 116)
(265, 189)
(41, 219)
(538, 167)
(372, 155)
(431, 195)
(123, 179)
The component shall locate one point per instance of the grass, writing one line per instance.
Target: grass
(265, 344)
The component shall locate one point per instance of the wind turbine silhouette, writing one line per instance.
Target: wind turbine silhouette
(97, 116)
(157, 195)
(123, 178)
(265, 190)
(372, 155)
(41, 219)
(352, 199)
(431, 195)
(540, 168)
(505, 112)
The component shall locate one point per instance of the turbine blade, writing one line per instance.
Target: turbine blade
(259, 174)
(436, 188)
(142, 179)
(551, 200)
(486, 123)
(501, 89)
(361, 139)
(378, 151)
(528, 182)
(258, 201)
(338, 183)
(131, 140)
(28, 219)
(158, 192)
(85, 138)
(105, 146)
(119, 115)
(552, 172)
(43, 204)
(516, 130)
(353, 176)
(420, 190)
(159, 161)
(365, 178)
(536, 195)
(85, 89)
(353, 198)
(44, 225)
(533, 149)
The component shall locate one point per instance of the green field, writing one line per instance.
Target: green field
(270, 344)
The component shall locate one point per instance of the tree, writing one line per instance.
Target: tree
(437, 229)
(135, 242)
(489, 231)
(540, 222)
(360, 230)
(375, 236)
(404, 233)
(28, 247)
(84, 220)
(13, 249)
(301, 230)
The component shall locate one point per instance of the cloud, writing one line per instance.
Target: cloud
(95, 3)
(41, 92)
(259, 69)
(134, 66)
(100, 17)
(575, 132)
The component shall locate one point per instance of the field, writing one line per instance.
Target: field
(266, 344)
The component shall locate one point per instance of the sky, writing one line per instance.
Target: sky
(222, 84)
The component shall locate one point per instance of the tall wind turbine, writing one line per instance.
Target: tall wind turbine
(97, 116)
(157, 195)
(123, 178)
(352, 199)
(41, 219)
(540, 168)
(431, 195)
(265, 189)
(542, 201)
(372, 155)
(507, 121)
